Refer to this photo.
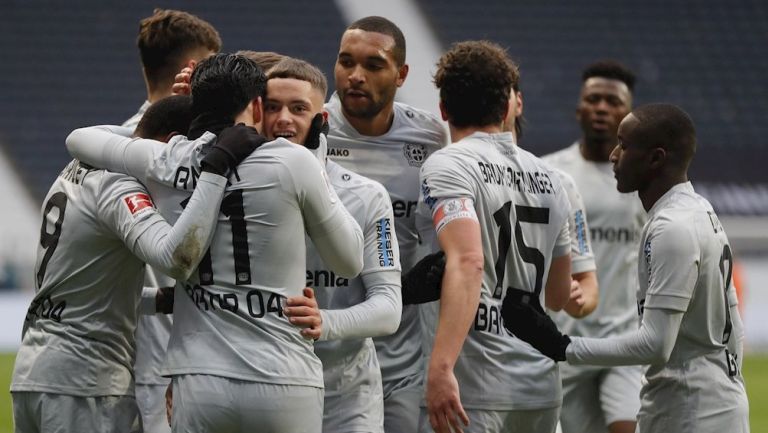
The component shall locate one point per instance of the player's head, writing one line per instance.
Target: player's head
(296, 92)
(168, 41)
(605, 98)
(265, 59)
(228, 87)
(656, 141)
(165, 118)
(370, 66)
(475, 80)
(514, 121)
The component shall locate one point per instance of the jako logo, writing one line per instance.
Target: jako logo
(338, 152)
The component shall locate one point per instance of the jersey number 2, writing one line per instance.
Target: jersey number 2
(525, 214)
(727, 258)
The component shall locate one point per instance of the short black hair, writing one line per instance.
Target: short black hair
(384, 26)
(610, 69)
(171, 114)
(669, 127)
(475, 79)
(224, 84)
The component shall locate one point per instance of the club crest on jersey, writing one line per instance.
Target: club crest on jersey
(138, 202)
(415, 154)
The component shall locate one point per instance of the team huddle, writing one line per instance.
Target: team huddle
(244, 256)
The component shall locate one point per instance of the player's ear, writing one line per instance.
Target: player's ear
(443, 113)
(258, 110)
(658, 158)
(402, 74)
(519, 105)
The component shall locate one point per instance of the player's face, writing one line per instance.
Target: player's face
(366, 73)
(630, 157)
(289, 108)
(602, 105)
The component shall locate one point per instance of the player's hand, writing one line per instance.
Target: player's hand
(318, 126)
(303, 312)
(525, 318)
(164, 300)
(169, 402)
(233, 144)
(424, 281)
(181, 82)
(446, 415)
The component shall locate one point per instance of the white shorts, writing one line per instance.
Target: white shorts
(151, 402)
(402, 401)
(696, 396)
(595, 397)
(203, 403)
(503, 421)
(48, 413)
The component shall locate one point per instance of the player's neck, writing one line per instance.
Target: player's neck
(374, 126)
(154, 95)
(658, 187)
(597, 151)
(458, 133)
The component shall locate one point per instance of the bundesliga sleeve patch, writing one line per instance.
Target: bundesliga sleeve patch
(138, 202)
(450, 209)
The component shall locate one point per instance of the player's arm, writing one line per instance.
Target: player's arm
(380, 313)
(458, 233)
(673, 256)
(113, 148)
(736, 342)
(557, 290)
(174, 250)
(336, 235)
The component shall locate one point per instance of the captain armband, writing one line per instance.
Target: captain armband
(449, 209)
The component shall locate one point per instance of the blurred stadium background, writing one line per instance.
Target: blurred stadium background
(72, 64)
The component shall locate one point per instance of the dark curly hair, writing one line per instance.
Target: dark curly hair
(475, 79)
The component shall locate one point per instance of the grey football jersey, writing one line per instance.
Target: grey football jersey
(393, 159)
(523, 214)
(615, 222)
(582, 258)
(228, 319)
(368, 202)
(78, 332)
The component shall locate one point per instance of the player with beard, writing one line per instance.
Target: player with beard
(603, 399)
(691, 334)
(386, 141)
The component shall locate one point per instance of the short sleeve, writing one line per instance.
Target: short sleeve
(673, 255)
(582, 257)
(442, 177)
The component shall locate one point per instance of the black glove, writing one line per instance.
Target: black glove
(319, 126)
(524, 317)
(164, 300)
(233, 144)
(423, 282)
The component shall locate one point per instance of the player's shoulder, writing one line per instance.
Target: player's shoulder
(349, 180)
(419, 118)
(563, 156)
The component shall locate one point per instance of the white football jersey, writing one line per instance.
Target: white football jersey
(393, 159)
(228, 319)
(349, 354)
(615, 222)
(523, 213)
(687, 266)
(98, 229)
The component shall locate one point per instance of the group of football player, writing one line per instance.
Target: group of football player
(361, 265)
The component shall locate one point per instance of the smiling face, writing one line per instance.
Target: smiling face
(289, 108)
(366, 73)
